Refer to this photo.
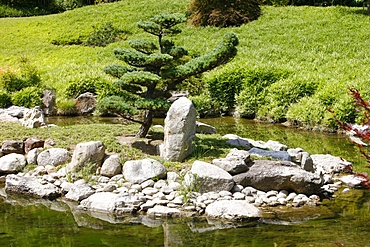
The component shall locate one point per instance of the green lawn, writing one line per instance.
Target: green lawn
(326, 47)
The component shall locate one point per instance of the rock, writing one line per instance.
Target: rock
(79, 192)
(85, 103)
(66, 186)
(300, 156)
(108, 202)
(235, 162)
(11, 146)
(275, 146)
(49, 102)
(34, 118)
(54, 157)
(32, 156)
(295, 154)
(328, 164)
(279, 155)
(203, 128)
(12, 163)
(237, 141)
(179, 131)
(4, 117)
(163, 211)
(172, 177)
(307, 162)
(352, 180)
(232, 209)
(137, 171)
(231, 165)
(111, 166)
(31, 186)
(16, 111)
(32, 143)
(269, 175)
(88, 153)
(207, 177)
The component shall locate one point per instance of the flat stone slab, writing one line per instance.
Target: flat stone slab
(163, 211)
(31, 186)
(232, 209)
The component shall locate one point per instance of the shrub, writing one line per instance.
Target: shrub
(255, 85)
(308, 111)
(68, 4)
(344, 110)
(26, 76)
(100, 36)
(28, 97)
(224, 86)
(281, 95)
(223, 13)
(205, 105)
(5, 100)
(104, 35)
(82, 85)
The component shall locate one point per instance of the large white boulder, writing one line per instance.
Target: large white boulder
(54, 157)
(111, 166)
(12, 163)
(88, 153)
(206, 177)
(137, 171)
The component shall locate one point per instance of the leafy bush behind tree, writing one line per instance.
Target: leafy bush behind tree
(223, 13)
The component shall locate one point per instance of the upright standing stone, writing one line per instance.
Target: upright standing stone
(49, 102)
(34, 118)
(179, 130)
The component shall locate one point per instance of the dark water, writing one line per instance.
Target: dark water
(343, 221)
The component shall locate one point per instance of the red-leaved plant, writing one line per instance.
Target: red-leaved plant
(359, 134)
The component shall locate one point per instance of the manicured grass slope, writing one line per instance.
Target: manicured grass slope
(323, 46)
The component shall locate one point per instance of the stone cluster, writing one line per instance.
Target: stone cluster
(145, 186)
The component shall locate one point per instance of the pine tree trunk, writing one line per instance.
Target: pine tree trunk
(148, 118)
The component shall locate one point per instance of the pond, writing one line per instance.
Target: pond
(342, 221)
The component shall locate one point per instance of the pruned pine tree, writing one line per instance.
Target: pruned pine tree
(153, 70)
